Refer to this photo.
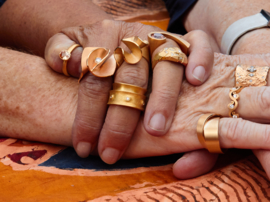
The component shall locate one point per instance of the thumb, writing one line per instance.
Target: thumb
(193, 164)
(201, 57)
(58, 43)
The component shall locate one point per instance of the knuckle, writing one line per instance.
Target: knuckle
(165, 94)
(136, 29)
(117, 132)
(133, 75)
(87, 127)
(129, 29)
(107, 23)
(266, 135)
(94, 88)
(263, 99)
(198, 33)
(232, 131)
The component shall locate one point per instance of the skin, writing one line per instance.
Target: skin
(114, 132)
(35, 115)
(214, 17)
(31, 28)
(13, 34)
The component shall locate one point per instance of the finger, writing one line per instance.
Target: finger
(93, 91)
(253, 103)
(121, 121)
(242, 134)
(200, 59)
(166, 84)
(264, 158)
(194, 164)
(91, 110)
(55, 45)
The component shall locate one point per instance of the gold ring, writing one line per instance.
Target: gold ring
(65, 56)
(97, 61)
(127, 95)
(211, 136)
(158, 38)
(207, 132)
(138, 47)
(170, 54)
(246, 76)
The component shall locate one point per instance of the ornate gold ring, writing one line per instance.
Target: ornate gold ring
(246, 76)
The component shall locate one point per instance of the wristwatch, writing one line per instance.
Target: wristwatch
(242, 26)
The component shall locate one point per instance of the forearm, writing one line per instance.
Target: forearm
(214, 17)
(29, 24)
(35, 102)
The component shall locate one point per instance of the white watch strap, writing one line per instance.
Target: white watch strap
(242, 26)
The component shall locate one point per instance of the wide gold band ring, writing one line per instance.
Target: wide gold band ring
(207, 132)
(246, 76)
(170, 54)
(65, 55)
(127, 95)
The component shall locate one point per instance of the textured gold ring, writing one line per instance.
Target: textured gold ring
(127, 95)
(246, 76)
(65, 55)
(158, 38)
(207, 132)
(170, 54)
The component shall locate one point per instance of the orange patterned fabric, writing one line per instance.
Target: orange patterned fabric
(25, 178)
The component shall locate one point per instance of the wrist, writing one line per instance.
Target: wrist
(254, 42)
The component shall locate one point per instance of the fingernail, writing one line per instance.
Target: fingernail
(183, 157)
(199, 73)
(110, 155)
(158, 122)
(83, 149)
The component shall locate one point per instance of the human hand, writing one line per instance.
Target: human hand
(120, 123)
(248, 132)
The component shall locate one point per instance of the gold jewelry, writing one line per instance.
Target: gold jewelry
(65, 56)
(207, 132)
(246, 76)
(97, 61)
(138, 47)
(127, 95)
(158, 38)
(170, 54)
(211, 135)
(200, 127)
(234, 103)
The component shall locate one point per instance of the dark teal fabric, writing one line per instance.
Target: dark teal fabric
(177, 9)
